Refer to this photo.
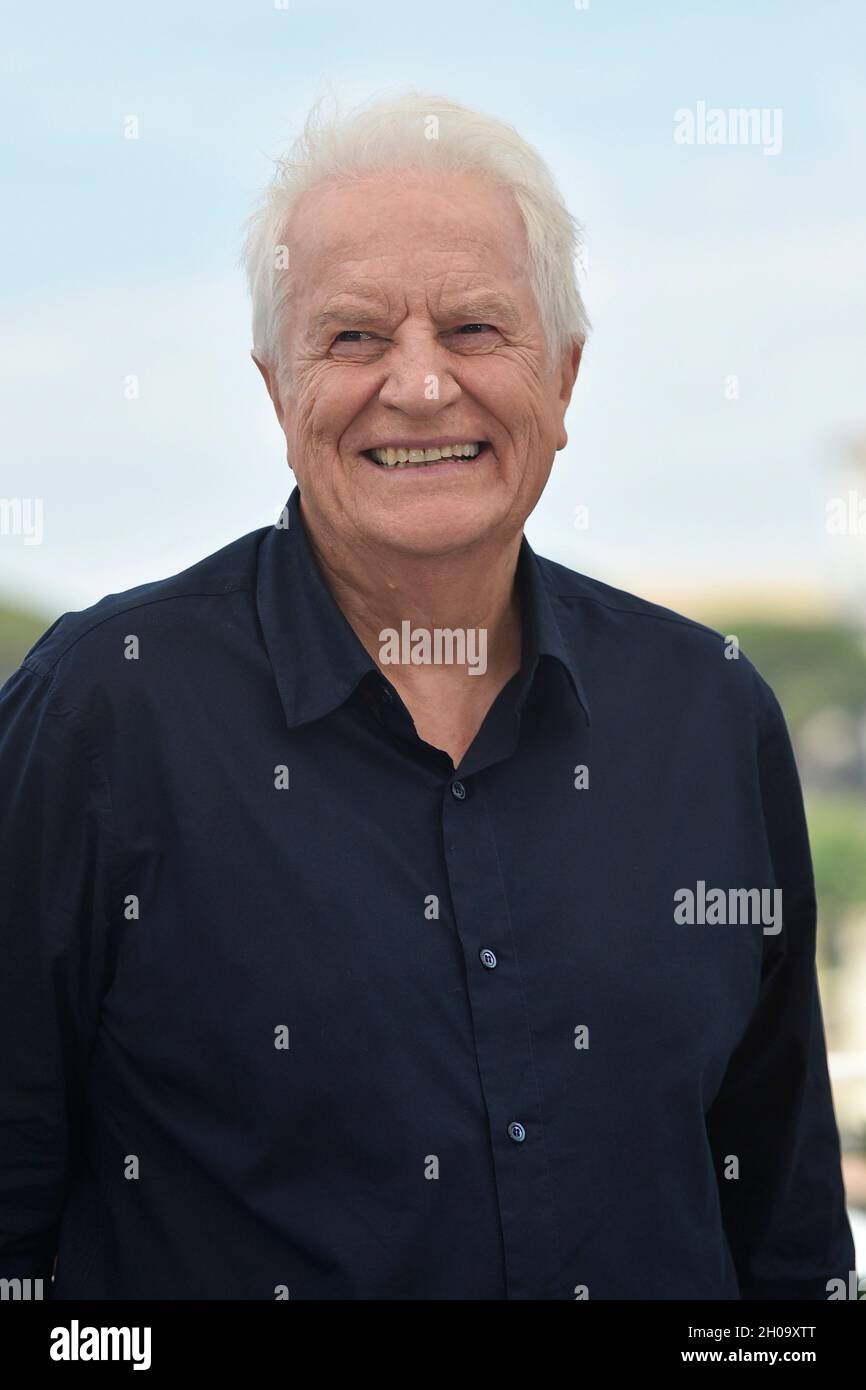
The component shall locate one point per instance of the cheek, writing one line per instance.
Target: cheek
(510, 393)
(331, 403)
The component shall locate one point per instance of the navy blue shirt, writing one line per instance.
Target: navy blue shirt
(291, 1007)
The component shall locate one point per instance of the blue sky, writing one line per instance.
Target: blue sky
(704, 262)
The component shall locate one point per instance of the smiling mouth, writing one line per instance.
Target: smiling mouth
(426, 458)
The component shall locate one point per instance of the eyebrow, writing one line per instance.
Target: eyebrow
(474, 308)
(343, 309)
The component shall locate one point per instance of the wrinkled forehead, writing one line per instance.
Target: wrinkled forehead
(406, 234)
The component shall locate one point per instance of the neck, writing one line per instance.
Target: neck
(471, 591)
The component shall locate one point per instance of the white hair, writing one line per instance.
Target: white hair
(417, 132)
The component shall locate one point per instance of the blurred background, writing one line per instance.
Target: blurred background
(717, 455)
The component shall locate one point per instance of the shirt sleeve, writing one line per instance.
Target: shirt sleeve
(784, 1215)
(54, 839)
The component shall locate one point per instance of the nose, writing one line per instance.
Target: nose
(419, 380)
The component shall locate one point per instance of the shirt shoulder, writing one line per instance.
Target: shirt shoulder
(184, 607)
(656, 642)
(573, 586)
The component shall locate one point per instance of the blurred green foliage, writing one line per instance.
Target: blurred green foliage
(837, 830)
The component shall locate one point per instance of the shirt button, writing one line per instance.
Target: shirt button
(487, 958)
(386, 695)
(516, 1132)
(458, 791)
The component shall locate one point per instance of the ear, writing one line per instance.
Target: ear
(568, 376)
(269, 377)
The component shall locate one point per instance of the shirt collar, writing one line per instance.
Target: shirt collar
(549, 629)
(317, 658)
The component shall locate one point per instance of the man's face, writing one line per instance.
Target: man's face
(410, 322)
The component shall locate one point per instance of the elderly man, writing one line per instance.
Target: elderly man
(390, 912)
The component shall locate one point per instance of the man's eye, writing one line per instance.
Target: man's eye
(473, 327)
(352, 335)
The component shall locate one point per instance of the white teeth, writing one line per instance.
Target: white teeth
(393, 458)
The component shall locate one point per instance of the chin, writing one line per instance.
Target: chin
(433, 528)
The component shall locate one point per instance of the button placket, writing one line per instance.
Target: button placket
(503, 1043)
